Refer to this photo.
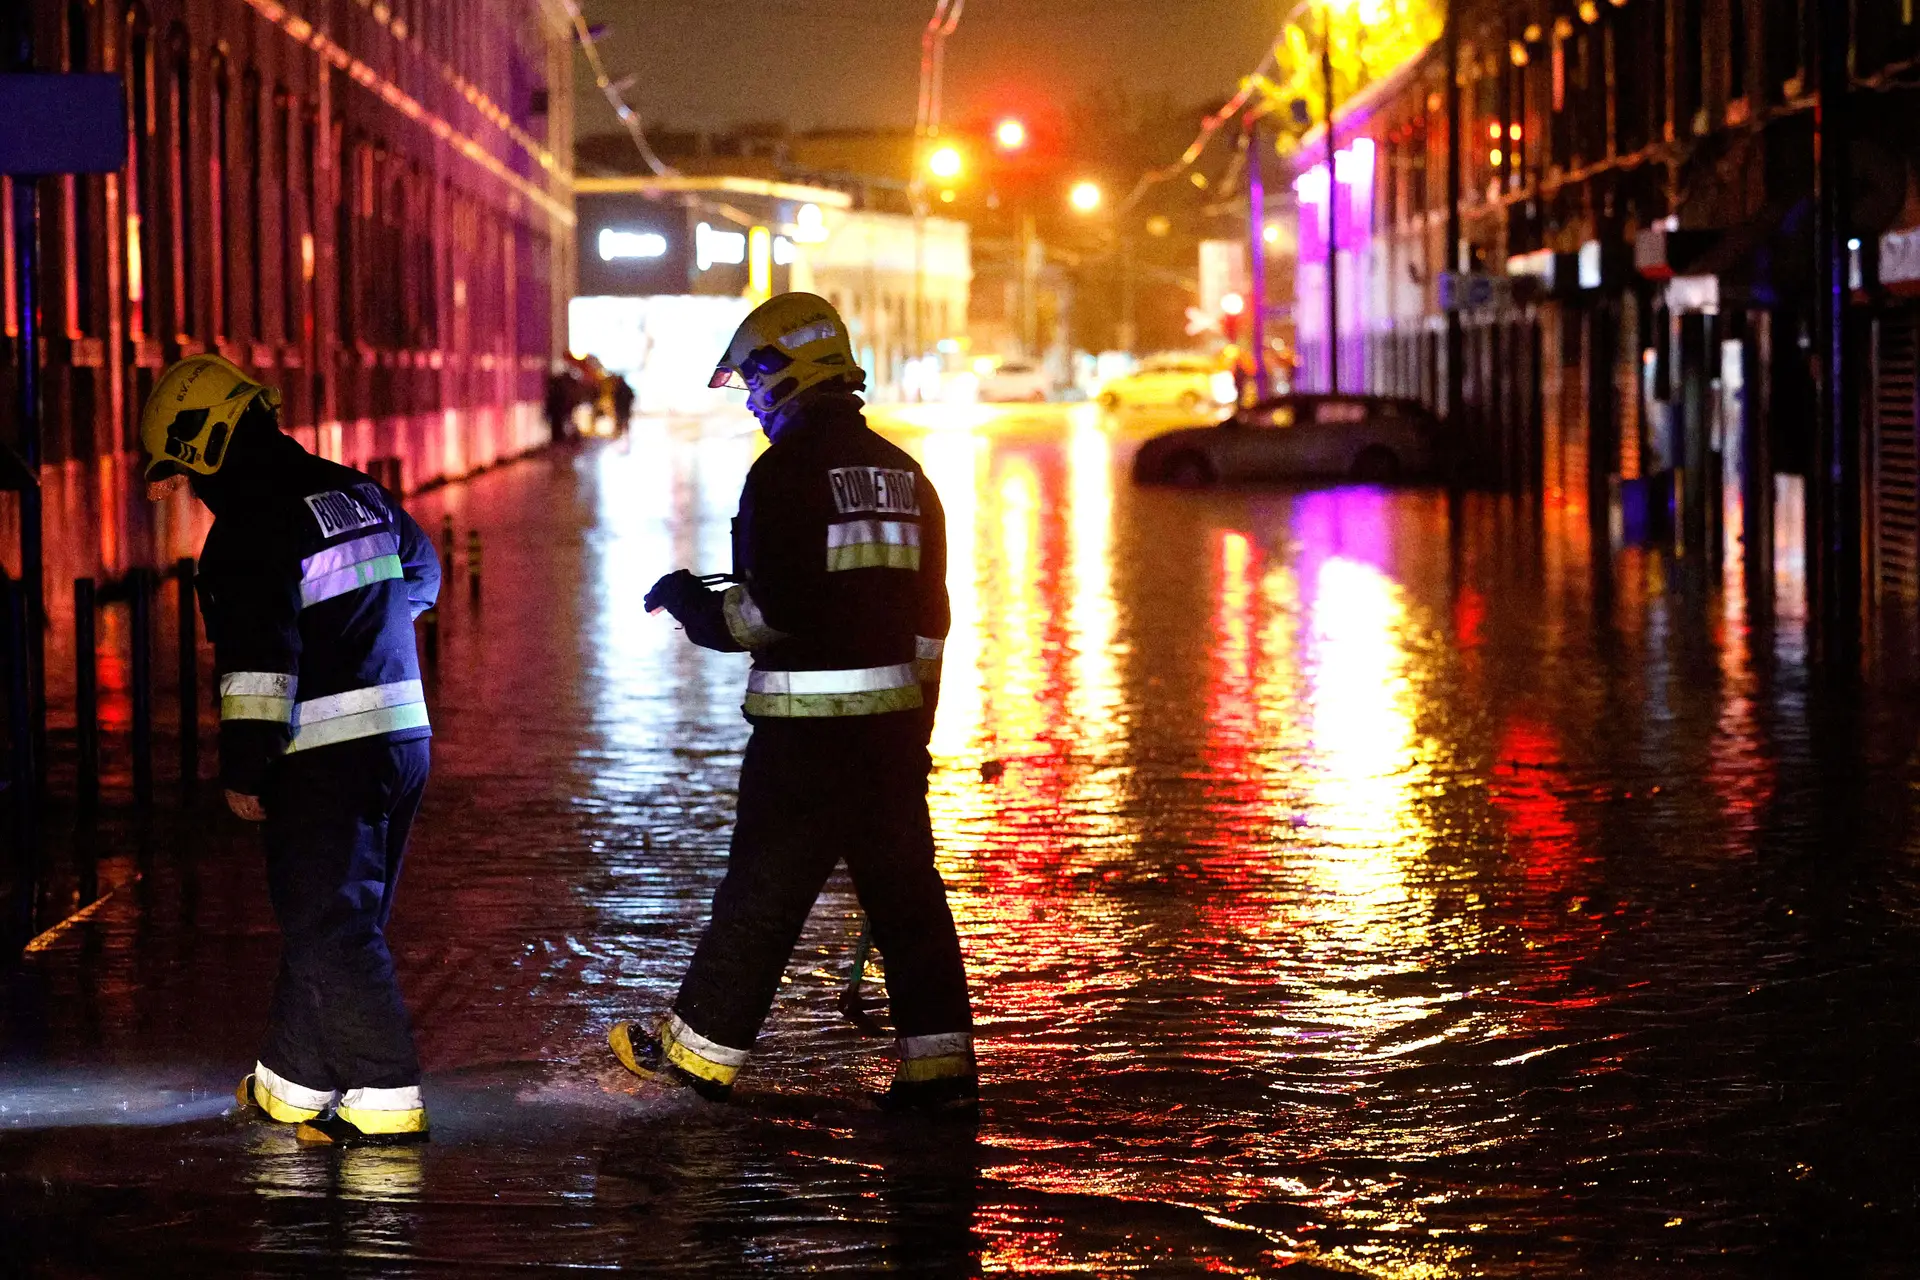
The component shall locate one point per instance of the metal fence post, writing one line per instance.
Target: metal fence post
(140, 629)
(22, 773)
(189, 657)
(86, 691)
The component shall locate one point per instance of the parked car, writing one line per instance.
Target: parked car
(1369, 438)
(1186, 382)
(1014, 380)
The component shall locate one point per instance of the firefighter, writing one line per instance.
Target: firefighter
(839, 567)
(310, 581)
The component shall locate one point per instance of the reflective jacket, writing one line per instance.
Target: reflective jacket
(310, 581)
(841, 556)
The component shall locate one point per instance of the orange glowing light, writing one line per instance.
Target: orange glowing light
(1010, 134)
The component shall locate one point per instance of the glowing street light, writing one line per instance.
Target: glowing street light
(1010, 134)
(945, 163)
(1085, 196)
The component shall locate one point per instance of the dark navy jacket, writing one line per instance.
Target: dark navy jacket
(310, 581)
(840, 551)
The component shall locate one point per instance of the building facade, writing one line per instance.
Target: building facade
(1635, 276)
(365, 204)
(670, 266)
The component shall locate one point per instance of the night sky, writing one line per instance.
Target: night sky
(855, 63)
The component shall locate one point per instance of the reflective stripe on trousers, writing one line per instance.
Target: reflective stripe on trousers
(284, 1100)
(873, 544)
(350, 566)
(861, 691)
(384, 1110)
(696, 1055)
(927, 653)
(257, 695)
(358, 713)
(939, 1057)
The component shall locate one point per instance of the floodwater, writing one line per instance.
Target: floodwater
(1348, 886)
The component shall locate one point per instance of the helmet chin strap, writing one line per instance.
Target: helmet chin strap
(165, 487)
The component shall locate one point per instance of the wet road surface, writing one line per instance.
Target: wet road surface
(1344, 890)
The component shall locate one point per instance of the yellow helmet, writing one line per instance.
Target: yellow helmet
(786, 345)
(189, 419)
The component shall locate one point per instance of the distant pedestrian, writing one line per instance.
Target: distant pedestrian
(563, 393)
(310, 581)
(622, 404)
(839, 553)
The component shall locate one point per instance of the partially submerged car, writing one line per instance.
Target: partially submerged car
(1374, 439)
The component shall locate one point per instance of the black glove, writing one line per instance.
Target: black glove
(695, 606)
(679, 593)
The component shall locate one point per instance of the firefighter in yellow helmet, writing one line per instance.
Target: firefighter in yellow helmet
(839, 562)
(310, 580)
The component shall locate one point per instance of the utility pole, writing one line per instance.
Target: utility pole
(1451, 409)
(1833, 496)
(926, 127)
(1256, 259)
(1333, 206)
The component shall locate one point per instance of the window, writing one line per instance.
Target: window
(179, 189)
(1338, 413)
(1783, 40)
(140, 199)
(218, 168)
(254, 145)
(1271, 416)
(79, 191)
(1736, 49)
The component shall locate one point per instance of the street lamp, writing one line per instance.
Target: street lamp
(1086, 198)
(1010, 134)
(945, 163)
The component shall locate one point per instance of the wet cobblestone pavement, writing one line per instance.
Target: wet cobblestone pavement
(1343, 890)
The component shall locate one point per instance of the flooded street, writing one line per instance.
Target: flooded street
(1348, 885)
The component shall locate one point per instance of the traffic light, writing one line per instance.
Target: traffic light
(1010, 134)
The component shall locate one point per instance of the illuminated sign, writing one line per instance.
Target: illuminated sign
(631, 244)
(712, 247)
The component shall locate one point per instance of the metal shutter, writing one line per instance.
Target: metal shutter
(1896, 475)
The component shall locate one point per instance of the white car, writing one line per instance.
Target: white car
(1185, 382)
(1014, 380)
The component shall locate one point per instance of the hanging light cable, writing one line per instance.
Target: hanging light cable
(614, 90)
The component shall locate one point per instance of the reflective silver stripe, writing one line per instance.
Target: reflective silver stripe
(257, 695)
(940, 1046)
(926, 660)
(405, 1098)
(873, 544)
(683, 1034)
(864, 691)
(893, 533)
(334, 559)
(275, 684)
(745, 623)
(358, 713)
(294, 1095)
(363, 573)
(854, 680)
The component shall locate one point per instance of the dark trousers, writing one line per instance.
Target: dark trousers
(811, 793)
(336, 830)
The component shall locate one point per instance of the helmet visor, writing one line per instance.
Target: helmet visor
(727, 377)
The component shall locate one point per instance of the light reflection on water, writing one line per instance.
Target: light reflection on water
(1345, 884)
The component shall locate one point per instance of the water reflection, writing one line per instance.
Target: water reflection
(1354, 889)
